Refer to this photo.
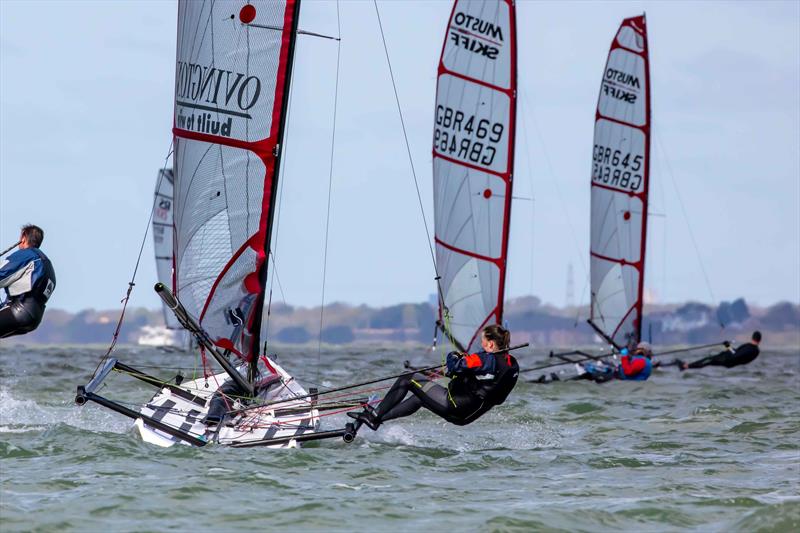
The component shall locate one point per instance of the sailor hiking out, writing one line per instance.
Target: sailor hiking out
(729, 358)
(28, 278)
(478, 382)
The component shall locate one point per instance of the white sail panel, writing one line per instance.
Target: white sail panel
(620, 171)
(477, 41)
(231, 78)
(623, 86)
(470, 123)
(473, 143)
(162, 236)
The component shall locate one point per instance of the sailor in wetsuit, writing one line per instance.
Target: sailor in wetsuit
(478, 382)
(636, 366)
(729, 358)
(28, 277)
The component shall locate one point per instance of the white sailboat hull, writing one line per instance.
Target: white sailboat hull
(283, 417)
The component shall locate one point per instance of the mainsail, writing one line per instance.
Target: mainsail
(473, 160)
(162, 236)
(620, 174)
(232, 76)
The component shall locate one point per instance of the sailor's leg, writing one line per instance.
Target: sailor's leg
(713, 360)
(396, 394)
(18, 318)
(407, 407)
(8, 324)
(438, 400)
(393, 398)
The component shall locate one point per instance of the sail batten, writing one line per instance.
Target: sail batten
(619, 187)
(473, 147)
(230, 97)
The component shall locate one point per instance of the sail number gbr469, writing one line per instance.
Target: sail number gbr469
(465, 136)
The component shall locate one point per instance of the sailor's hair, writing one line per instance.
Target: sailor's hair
(498, 334)
(756, 336)
(33, 234)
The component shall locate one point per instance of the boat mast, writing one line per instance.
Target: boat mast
(646, 193)
(262, 275)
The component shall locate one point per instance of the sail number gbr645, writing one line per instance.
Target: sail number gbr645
(466, 137)
(616, 168)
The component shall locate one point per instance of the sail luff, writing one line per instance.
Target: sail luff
(646, 203)
(511, 149)
(473, 147)
(290, 39)
(620, 187)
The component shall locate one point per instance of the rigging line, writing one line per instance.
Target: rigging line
(131, 283)
(580, 304)
(555, 181)
(408, 149)
(688, 225)
(663, 198)
(330, 187)
(533, 195)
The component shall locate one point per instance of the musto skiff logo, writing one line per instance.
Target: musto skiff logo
(621, 85)
(478, 36)
(465, 136)
(209, 99)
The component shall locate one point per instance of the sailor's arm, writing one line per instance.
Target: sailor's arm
(631, 368)
(477, 363)
(13, 268)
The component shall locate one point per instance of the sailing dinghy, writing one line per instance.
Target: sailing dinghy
(619, 188)
(473, 164)
(162, 246)
(233, 70)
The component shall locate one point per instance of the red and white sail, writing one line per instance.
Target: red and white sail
(473, 161)
(620, 175)
(232, 76)
(162, 236)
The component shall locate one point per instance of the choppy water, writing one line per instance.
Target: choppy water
(712, 450)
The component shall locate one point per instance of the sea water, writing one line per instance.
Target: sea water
(706, 450)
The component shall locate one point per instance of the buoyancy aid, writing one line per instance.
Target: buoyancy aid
(635, 368)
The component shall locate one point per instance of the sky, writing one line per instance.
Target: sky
(86, 104)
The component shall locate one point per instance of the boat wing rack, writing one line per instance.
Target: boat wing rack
(86, 393)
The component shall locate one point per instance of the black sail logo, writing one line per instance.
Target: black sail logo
(209, 98)
(479, 36)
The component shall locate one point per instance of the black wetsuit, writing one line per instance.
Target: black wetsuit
(744, 354)
(32, 270)
(470, 393)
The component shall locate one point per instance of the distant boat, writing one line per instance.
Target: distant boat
(473, 166)
(162, 236)
(620, 183)
(234, 66)
(158, 336)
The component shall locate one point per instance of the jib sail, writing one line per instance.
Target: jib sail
(620, 174)
(232, 79)
(473, 160)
